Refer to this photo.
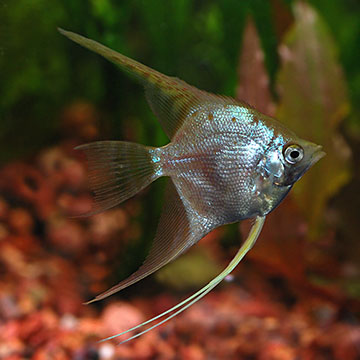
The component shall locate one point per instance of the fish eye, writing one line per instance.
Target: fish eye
(293, 154)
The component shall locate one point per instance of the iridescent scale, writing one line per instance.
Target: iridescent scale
(212, 161)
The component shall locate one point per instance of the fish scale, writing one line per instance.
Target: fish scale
(233, 165)
(225, 162)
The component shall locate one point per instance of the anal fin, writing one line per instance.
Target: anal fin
(192, 299)
(174, 235)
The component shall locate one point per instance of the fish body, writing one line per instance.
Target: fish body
(225, 162)
(215, 162)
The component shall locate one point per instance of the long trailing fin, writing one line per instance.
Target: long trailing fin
(171, 99)
(247, 245)
(174, 235)
(117, 171)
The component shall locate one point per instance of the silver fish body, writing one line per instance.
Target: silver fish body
(226, 161)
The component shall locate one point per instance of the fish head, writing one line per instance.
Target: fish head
(284, 162)
(296, 158)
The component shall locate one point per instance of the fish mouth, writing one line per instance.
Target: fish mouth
(317, 155)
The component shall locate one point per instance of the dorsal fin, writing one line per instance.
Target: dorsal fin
(170, 98)
(175, 234)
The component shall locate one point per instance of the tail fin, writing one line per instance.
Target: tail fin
(117, 171)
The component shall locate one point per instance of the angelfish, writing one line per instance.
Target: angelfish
(226, 162)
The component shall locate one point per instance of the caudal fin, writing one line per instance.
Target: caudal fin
(117, 171)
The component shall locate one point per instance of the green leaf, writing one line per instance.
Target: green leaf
(314, 103)
(190, 270)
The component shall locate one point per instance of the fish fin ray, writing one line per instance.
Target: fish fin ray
(170, 98)
(174, 235)
(117, 171)
(192, 299)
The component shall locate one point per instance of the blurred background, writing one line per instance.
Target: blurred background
(297, 293)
